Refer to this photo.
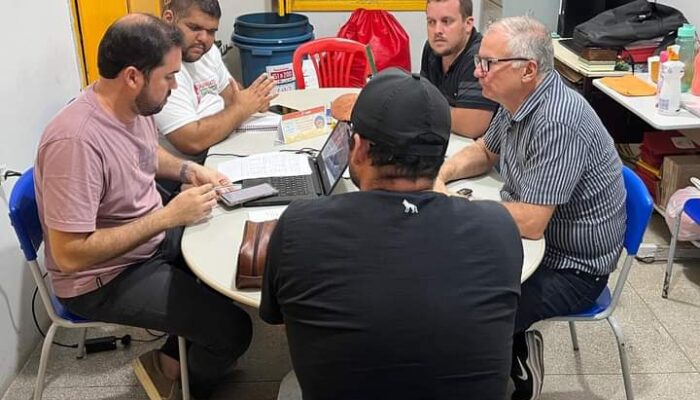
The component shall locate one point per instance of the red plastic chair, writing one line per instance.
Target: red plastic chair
(334, 60)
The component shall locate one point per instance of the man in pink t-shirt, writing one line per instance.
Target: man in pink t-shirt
(112, 249)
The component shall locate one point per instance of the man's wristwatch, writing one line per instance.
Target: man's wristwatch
(183, 171)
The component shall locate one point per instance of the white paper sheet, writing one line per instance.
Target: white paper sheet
(266, 215)
(266, 164)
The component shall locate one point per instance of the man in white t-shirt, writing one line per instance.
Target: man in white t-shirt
(208, 104)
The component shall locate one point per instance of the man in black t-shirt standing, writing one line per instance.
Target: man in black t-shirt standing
(396, 291)
(448, 63)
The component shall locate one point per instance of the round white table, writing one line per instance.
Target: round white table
(211, 247)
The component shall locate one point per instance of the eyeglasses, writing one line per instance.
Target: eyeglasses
(485, 62)
(349, 129)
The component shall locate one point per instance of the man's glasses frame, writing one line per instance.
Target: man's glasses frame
(351, 133)
(485, 62)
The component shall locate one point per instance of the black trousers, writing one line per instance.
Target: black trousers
(163, 294)
(551, 293)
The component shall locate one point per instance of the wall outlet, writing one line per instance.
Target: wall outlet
(3, 171)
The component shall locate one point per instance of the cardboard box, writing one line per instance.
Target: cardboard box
(677, 171)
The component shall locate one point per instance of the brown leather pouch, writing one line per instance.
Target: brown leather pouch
(253, 254)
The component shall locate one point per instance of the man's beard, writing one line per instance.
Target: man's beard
(145, 106)
(353, 177)
(447, 52)
(453, 50)
(190, 59)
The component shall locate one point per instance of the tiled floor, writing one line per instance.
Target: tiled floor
(663, 338)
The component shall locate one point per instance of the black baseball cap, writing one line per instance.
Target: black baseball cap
(403, 111)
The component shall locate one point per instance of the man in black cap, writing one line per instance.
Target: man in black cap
(396, 291)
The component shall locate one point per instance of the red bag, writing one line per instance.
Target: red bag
(385, 36)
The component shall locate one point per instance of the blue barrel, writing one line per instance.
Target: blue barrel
(271, 26)
(265, 39)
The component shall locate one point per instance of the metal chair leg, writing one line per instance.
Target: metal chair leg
(182, 346)
(624, 363)
(81, 344)
(574, 337)
(43, 361)
(671, 254)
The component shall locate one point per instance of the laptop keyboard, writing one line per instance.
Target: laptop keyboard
(291, 185)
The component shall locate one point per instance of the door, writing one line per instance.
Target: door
(91, 20)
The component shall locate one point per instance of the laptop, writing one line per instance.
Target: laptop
(326, 171)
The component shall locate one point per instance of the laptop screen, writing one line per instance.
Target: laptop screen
(333, 158)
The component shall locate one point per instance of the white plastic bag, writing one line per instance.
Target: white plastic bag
(689, 229)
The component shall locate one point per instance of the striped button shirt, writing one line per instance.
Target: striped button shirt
(556, 151)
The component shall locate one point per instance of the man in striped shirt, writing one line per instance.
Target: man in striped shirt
(562, 180)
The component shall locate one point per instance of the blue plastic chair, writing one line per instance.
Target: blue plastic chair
(692, 210)
(25, 220)
(639, 206)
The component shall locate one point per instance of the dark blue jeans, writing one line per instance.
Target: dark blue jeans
(163, 294)
(552, 293)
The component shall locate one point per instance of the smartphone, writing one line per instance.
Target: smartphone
(466, 192)
(281, 110)
(232, 195)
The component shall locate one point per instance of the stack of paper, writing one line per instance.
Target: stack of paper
(267, 214)
(692, 104)
(264, 165)
(596, 66)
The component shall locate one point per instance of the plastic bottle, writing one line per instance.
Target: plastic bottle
(669, 101)
(663, 57)
(686, 41)
(695, 87)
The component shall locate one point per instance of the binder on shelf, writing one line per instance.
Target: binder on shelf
(650, 181)
(650, 170)
(590, 53)
(659, 144)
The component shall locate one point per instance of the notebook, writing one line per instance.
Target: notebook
(629, 85)
(260, 122)
(326, 170)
